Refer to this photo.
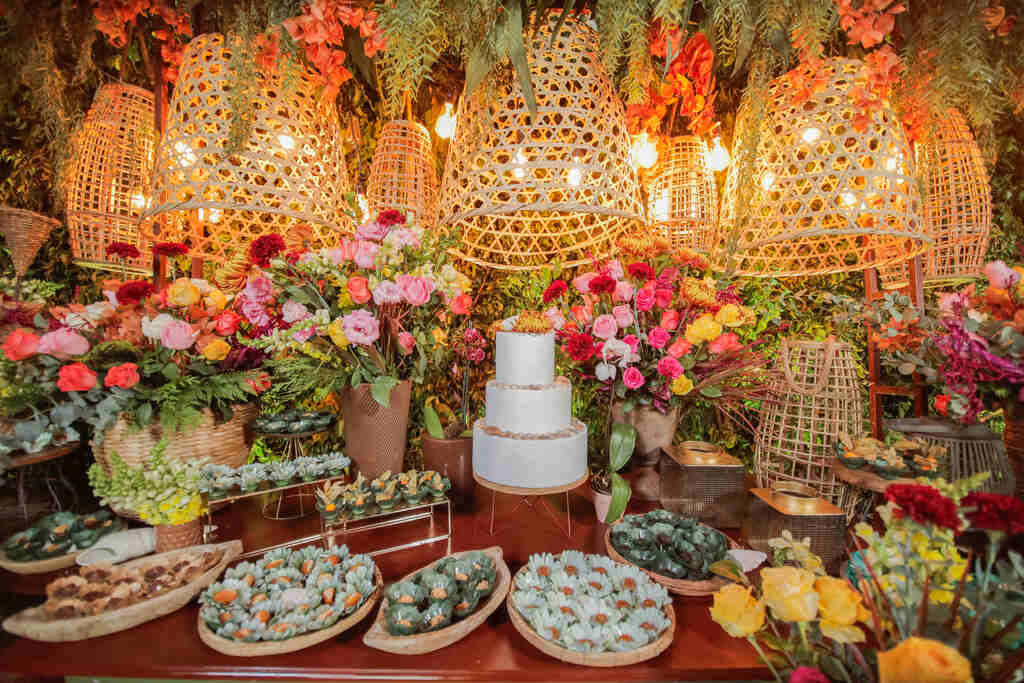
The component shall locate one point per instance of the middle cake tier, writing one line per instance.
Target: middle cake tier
(516, 409)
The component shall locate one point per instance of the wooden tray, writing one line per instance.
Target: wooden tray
(866, 479)
(692, 589)
(260, 649)
(50, 564)
(421, 643)
(33, 622)
(604, 659)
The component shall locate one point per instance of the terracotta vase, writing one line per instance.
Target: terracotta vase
(172, 537)
(654, 431)
(375, 436)
(1013, 438)
(453, 458)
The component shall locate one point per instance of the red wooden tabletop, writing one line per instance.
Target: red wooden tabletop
(169, 647)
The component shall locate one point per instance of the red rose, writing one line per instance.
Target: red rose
(640, 271)
(390, 217)
(75, 377)
(170, 249)
(602, 284)
(942, 404)
(133, 292)
(663, 297)
(123, 250)
(265, 248)
(555, 290)
(924, 505)
(21, 344)
(124, 376)
(227, 323)
(645, 299)
(993, 512)
(580, 347)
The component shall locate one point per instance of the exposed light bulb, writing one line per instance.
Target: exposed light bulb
(364, 207)
(718, 156)
(661, 206)
(446, 122)
(767, 180)
(213, 216)
(643, 153)
(520, 159)
(811, 135)
(186, 157)
(287, 141)
(139, 201)
(575, 176)
(847, 199)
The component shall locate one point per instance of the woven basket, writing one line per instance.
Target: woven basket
(402, 174)
(693, 589)
(814, 400)
(24, 232)
(682, 200)
(172, 537)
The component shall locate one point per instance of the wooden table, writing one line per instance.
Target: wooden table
(170, 647)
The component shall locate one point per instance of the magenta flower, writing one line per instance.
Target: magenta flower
(293, 311)
(372, 231)
(658, 337)
(633, 378)
(416, 290)
(366, 254)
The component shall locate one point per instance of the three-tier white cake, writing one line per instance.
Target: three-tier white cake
(528, 438)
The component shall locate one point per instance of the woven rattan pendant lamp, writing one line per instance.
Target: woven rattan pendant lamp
(289, 171)
(682, 200)
(528, 190)
(110, 176)
(827, 197)
(957, 205)
(402, 174)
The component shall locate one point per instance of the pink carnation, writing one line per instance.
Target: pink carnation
(658, 337)
(605, 326)
(63, 343)
(645, 299)
(633, 378)
(614, 269)
(304, 335)
(259, 289)
(372, 231)
(416, 290)
(669, 367)
(623, 315)
(633, 341)
(360, 327)
(255, 312)
(366, 254)
(387, 292)
(623, 292)
(663, 297)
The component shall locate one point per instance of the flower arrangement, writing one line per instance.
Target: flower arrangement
(364, 311)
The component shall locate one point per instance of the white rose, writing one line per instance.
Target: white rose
(618, 351)
(152, 328)
(76, 321)
(605, 371)
(97, 310)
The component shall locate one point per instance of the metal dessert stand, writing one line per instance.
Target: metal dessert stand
(296, 502)
(403, 513)
(534, 499)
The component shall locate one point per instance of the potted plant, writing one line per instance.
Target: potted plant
(611, 491)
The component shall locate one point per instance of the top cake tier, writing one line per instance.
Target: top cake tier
(522, 358)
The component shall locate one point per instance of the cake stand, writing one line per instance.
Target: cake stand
(534, 499)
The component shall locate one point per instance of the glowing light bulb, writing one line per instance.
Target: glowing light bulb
(186, 157)
(718, 156)
(520, 159)
(643, 153)
(767, 180)
(661, 206)
(446, 122)
(287, 141)
(364, 206)
(575, 176)
(847, 199)
(139, 201)
(891, 163)
(811, 135)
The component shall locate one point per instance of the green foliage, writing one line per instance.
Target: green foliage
(415, 41)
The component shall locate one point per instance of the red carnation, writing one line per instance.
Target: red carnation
(993, 512)
(170, 249)
(602, 284)
(640, 271)
(293, 257)
(265, 248)
(924, 505)
(123, 250)
(555, 290)
(390, 217)
(134, 291)
(580, 347)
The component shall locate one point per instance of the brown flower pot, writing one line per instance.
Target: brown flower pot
(375, 435)
(453, 458)
(1013, 438)
(654, 431)
(172, 537)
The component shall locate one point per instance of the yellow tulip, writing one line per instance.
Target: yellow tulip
(729, 315)
(183, 293)
(216, 350)
(703, 328)
(737, 611)
(682, 385)
(790, 593)
(337, 334)
(923, 660)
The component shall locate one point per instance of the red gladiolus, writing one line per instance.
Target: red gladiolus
(123, 250)
(640, 271)
(170, 249)
(580, 347)
(390, 217)
(602, 284)
(555, 290)
(924, 505)
(265, 248)
(993, 512)
(134, 291)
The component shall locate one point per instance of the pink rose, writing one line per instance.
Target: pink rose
(360, 327)
(555, 317)
(658, 337)
(623, 292)
(178, 335)
(670, 319)
(645, 299)
(416, 290)
(372, 231)
(366, 254)
(259, 290)
(582, 282)
(669, 367)
(387, 292)
(293, 311)
(605, 326)
(614, 269)
(63, 343)
(255, 313)
(407, 342)
(75, 377)
(403, 237)
(623, 315)
(679, 348)
(633, 378)
(358, 289)
(668, 276)
(663, 297)
(345, 251)
(1000, 275)
(633, 341)
(725, 342)
(227, 323)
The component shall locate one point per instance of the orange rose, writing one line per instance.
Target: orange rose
(124, 376)
(358, 289)
(75, 377)
(20, 344)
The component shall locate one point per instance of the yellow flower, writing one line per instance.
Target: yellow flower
(183, 293)
(337, 334)
(216, 350)
(703, 328)
(790, 593)
(839, 602)
(344, 298)
(729, 315)
(440, 336)
(922, 660)
(216, 300)
(682, 385)
(737, 611)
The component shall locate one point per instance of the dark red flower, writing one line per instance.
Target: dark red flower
(924, 505)
(668, 277)
(555, 290)
(134, 291)
(640, 271)
(293, 257)
(942, 404)
(807, 674)
(390, 217)
(170, 249)
(602, 284)
(265, 248)
(123, 250)
(580, 347)
(993, 512)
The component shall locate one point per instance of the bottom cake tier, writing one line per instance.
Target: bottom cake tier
(530, 461)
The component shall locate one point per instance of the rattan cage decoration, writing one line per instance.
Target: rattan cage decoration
(110, 177)
(815, 399)
(957, 206)
(402, 174)
(528, 190)
(682, 199)
(289, 171)
(24, 233)
(827, 198)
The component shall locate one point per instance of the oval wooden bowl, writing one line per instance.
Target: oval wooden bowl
(691, 589)
(277, 647)
(603, 659)
(421, 643)
(50, 564)
(33, 622)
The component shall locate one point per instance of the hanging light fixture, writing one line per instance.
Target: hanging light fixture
(109, 177)
(402, 173)
(289, 171)
(682, 200)
(643, 153)
(446, 123)
(526, 190)
(718, 157)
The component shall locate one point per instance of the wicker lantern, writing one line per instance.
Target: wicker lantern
(24, 233)
(827, 197)
(110, 176)
(682, 200)
(957, 206)
(816, 398)
(289, 171)
(402, 174)
(527, 190)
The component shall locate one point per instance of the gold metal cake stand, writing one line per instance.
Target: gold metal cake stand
(534, 499)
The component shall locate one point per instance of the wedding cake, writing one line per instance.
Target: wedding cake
(528, 438)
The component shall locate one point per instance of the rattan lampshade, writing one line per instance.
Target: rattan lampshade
(682, 200)
(402, 174)
(290, 169)
(828, 197)
(957, 205)
(528, 190)
(110, 176)
(24, 233)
